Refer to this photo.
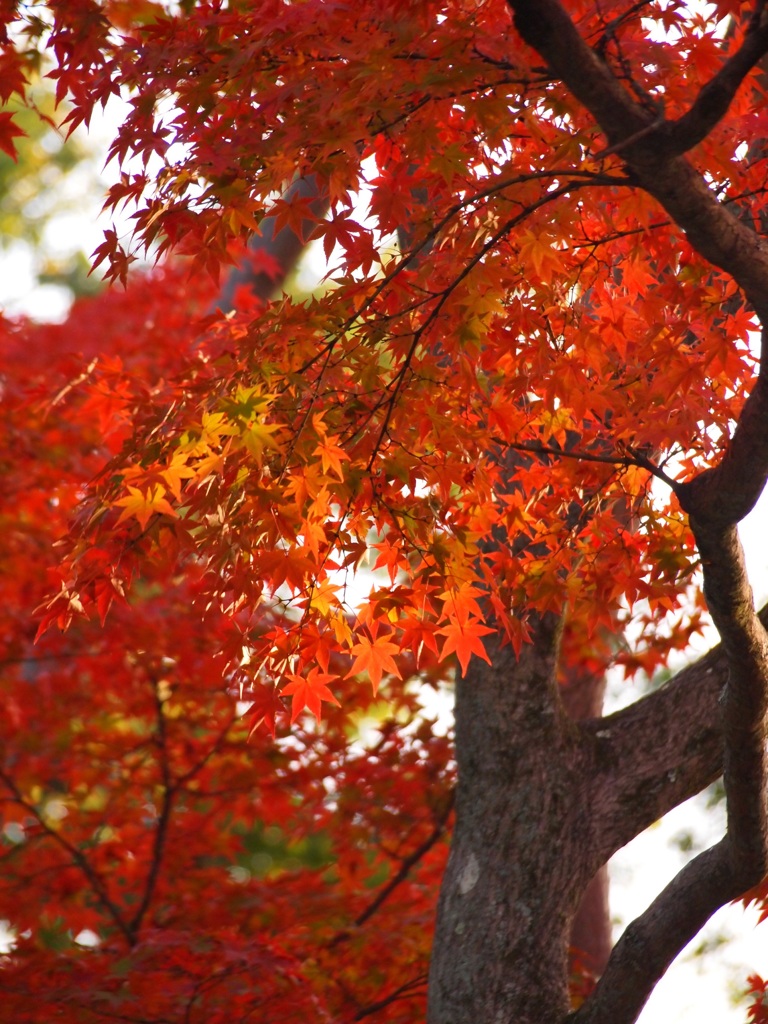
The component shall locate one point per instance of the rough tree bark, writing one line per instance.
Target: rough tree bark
(548, 790)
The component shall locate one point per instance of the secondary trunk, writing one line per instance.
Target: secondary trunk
(591, 936)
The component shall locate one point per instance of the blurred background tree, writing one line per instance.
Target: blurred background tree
(45, 239)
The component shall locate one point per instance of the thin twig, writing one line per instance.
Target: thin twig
(403, 992)
(633, 458)
(77, 856)
(163, 820)
(402, 873)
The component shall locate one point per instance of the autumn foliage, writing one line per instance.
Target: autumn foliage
(224, 879)
(257, 543)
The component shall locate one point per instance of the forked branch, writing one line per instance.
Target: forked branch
(714, 99)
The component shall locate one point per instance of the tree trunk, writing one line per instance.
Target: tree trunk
(516, 870)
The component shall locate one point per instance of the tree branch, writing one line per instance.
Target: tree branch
(653, 940)
(163, 821)
(712, 103)
(78, 858)
(715, 500)
(401, 874)
(686, 726)
(745, 698)
(712, 228)
(281, 248)
(546, 27)
(651, 756)
(723, 495)
(631, 458)
(408, 990)
(404, 870)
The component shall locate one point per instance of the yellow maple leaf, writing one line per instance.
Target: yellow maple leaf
(257, 436)
(323, 597)
(142, 505)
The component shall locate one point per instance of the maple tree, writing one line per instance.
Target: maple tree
(516, 430)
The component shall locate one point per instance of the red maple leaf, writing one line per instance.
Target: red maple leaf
(266, 705)
(9, 130)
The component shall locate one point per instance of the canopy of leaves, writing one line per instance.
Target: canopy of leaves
(558, 309)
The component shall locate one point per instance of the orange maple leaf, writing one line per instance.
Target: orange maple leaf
(308, 692)
(464, 639)
(418, 636)
(331, 455)
(462, 602)
(176, 471)
(374, 656)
